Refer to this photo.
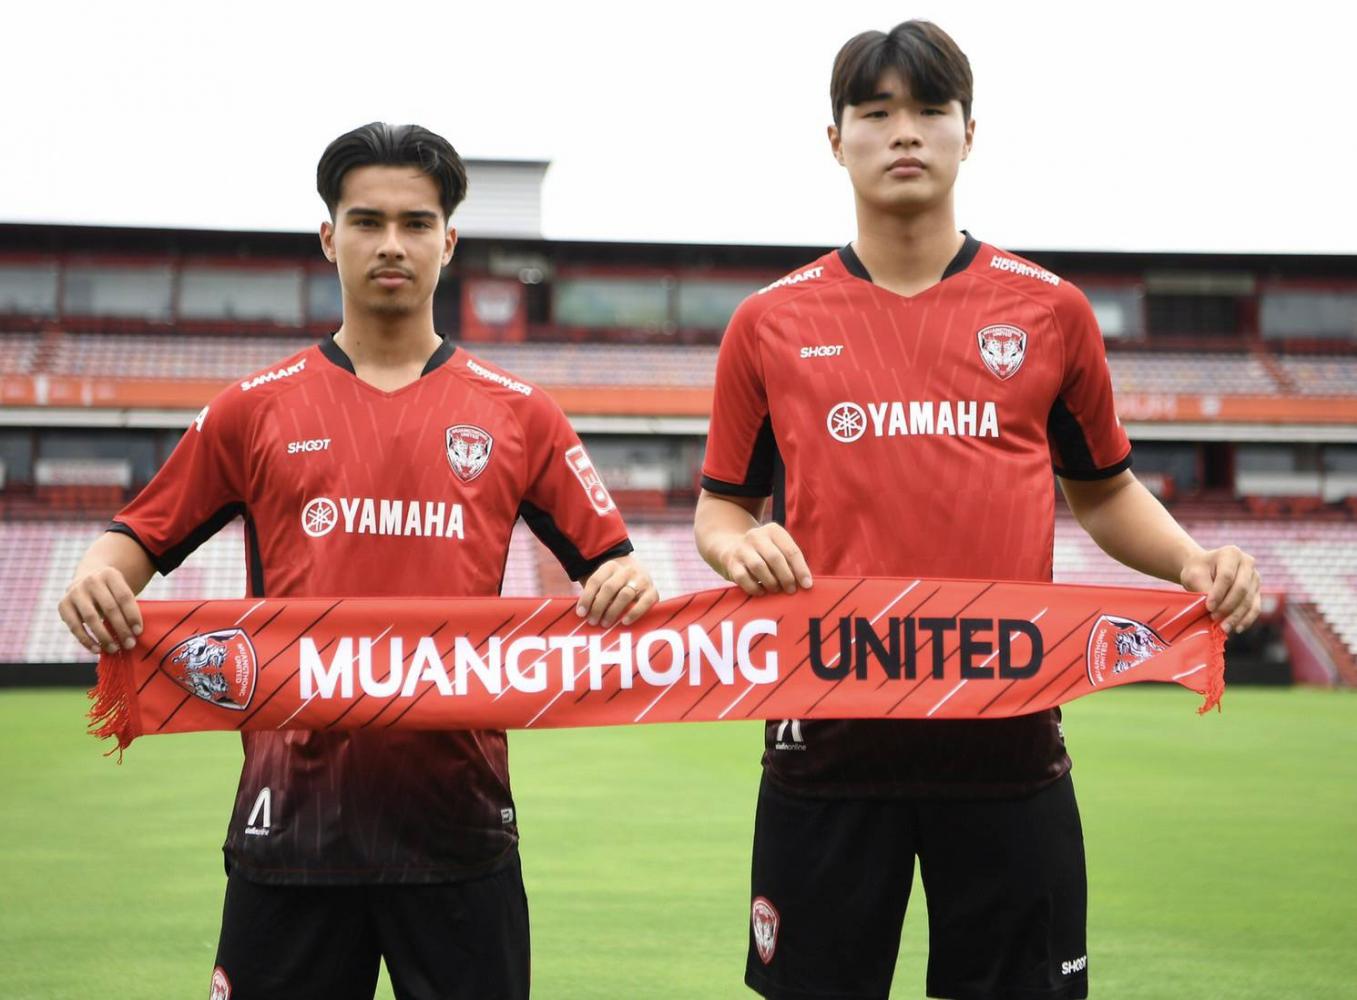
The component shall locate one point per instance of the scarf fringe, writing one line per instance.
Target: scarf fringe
(1215, 677)
(111, 714)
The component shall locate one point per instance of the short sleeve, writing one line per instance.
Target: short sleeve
(741, 451)
(1086, 439)
(199, 490)
(565, 502)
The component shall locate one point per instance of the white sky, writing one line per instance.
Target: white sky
(1109, 126)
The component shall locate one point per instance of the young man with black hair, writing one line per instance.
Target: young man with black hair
(347, 847)
(903, 401)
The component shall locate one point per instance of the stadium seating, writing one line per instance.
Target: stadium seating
(18, 353)
(1312, 561)
(1220, 374)
(1322, 376)
(162, 355)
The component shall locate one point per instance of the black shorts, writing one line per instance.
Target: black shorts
(448, 940)
(1007, 895)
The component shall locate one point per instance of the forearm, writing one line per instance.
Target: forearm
(113, 550)
(1132, 526)
(718, 525)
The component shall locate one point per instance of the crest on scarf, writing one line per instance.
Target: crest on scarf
(1002, 349)
(1116, 645)
(468, 450)
(218, 667)
(764, 919)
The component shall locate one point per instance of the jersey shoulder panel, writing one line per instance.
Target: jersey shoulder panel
(1020, 274)
(817, 276)
(522, 398)
(239, 401)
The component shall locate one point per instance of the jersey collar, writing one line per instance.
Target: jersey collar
(335, 354)
(853, 263)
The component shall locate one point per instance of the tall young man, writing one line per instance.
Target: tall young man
(347, 847)
(903, 400)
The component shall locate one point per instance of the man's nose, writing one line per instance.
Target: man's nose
(391, 245)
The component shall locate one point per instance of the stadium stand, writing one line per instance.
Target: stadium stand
(224, 358)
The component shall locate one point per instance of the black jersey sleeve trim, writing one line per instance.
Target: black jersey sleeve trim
(1076, 458)
(118, 528)
(170, 559)
(567, 553)
(733, 489)
(1095, 474)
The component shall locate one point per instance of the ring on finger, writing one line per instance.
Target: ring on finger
(630, 585)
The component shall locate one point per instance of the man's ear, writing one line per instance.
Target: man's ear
(970, 139)
(327, 241)
(835, 143)
(449, 245)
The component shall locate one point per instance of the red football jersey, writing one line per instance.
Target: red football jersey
(915, 436)
(347, 490)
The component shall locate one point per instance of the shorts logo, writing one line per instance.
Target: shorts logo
(218, 667)
(583, 467)
(1116, 645)
(319, 517)
(260, 821)
(797, 742)
(764, 919)
(1002, 349)
(468, 450)
(221, 986)
(847, 422)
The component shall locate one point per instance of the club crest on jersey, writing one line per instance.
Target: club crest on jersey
(1116, 645)
(1002, 348)
(221, 986)
(468, 450)
(218, 667)
(763, 917)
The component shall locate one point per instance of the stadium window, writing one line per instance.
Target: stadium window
(218, 293)
(637, 303)
(16, 454)
(324, 299)
(1185, 303)
(124, 292)
(1120, 311)
(1308, 313)
(708, 305)
(28, 289)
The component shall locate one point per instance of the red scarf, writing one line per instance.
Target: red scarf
(848, 648)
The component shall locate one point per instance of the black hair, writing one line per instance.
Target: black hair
(936, 70)
(378, 144)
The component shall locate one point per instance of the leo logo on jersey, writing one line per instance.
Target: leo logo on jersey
(583, 467)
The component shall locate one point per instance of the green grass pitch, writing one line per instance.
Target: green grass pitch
(1222, 852)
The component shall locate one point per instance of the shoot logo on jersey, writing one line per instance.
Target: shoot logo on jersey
(1116, 645)
(1002, 348)
(218, 667)
(468, 450)
(583, 467)
(763, 916)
